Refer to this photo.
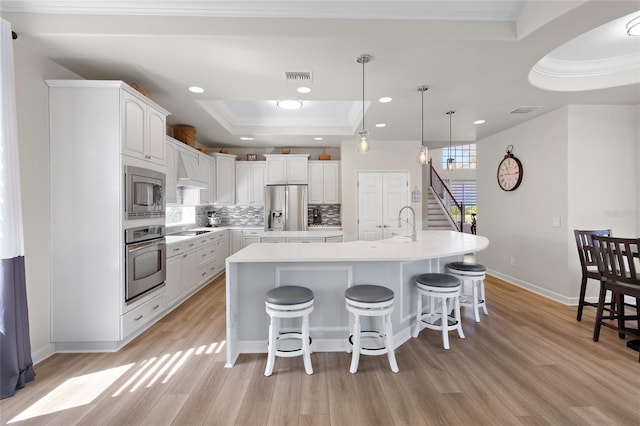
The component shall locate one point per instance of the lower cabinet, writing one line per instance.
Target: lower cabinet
(193, 263)
(240, 238)
(143, 314)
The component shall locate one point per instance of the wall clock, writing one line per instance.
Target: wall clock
(509, 171)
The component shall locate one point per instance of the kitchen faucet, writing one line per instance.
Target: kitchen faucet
(413, 225)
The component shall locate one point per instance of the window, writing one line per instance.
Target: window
(465, 156)
(465, 193)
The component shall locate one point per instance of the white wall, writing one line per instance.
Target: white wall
(603, 181)
(562, 152)
(33, 133)
(395, 155)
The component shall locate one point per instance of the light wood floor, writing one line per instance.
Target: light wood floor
(529, 362)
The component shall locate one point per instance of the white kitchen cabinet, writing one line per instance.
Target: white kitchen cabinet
(143, 128)
(193, 263)
(324, 182)
(250, 180)
(287, 168)
(240, 238)
(225, 178)
(206, 171)
(171, 178)
(250, 236)
(96, 128)
(235, 243)
(173, 282)
(305, 239)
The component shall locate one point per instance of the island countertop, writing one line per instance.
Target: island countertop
(429, 244)
(328, 269)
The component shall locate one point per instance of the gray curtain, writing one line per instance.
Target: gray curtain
(16, 366)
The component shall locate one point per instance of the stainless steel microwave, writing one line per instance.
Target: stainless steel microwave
(144, 193)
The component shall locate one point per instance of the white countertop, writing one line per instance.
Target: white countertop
(179, 238)
(318, 233)
(429, 244)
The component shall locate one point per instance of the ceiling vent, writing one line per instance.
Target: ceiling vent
(298, 76)
(524, 109)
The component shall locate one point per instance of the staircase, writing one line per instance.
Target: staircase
(436, 218)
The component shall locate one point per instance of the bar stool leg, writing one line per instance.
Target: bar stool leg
(355, 357)
(306, 352)
(484, 300)
(476, 308)
(445, 323)
(388, 330)
(416, 330)
(458, 317)
(271, 356)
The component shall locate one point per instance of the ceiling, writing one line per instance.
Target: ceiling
(477, 56)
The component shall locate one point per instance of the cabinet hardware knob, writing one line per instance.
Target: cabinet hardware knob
(139, 318)
(156, 307)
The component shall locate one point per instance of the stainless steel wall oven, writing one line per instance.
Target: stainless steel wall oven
(145, 260)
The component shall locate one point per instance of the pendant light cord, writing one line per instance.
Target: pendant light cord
(422, 128)
(363, 62)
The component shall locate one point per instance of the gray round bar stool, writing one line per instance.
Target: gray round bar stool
(288, 302)
(371, 301)
(475, 273)
(443, 292)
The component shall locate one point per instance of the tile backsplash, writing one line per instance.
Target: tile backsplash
(246, 215)
(231, 215)
(330, 214)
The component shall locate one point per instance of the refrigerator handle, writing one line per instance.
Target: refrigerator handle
(285, 209)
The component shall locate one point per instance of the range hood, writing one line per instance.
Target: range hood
(188, 176)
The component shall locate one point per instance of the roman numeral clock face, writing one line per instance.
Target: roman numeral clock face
(509, 172)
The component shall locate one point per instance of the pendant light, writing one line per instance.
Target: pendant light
(451, 162)
(363, 142)
(422, 154)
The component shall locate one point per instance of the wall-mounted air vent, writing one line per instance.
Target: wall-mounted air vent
(524, 109)
(299, 76)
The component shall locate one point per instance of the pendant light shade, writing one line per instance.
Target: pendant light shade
(451, 162)
(363, 141)
(423, 153)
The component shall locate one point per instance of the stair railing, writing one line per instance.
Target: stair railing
(451, 206)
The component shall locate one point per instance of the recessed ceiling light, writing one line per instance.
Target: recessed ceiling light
(196, 89)
(317, 139)
(289, 104)
(246, 138)
(381, 125)
(479, 122)
(385, 100)
(303, 89)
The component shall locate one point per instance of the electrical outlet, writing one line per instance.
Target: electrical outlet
(513, 261)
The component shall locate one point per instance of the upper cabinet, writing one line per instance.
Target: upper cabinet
(206, 171)
(144, 129)
(250, 180)
(324, 182)
(287, 168)
(225, 178)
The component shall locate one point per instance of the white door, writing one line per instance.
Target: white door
(395, 195)
(381, 195)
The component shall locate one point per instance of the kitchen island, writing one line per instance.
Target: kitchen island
(329, 269)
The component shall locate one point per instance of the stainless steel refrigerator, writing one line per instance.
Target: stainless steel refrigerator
(285, 208)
